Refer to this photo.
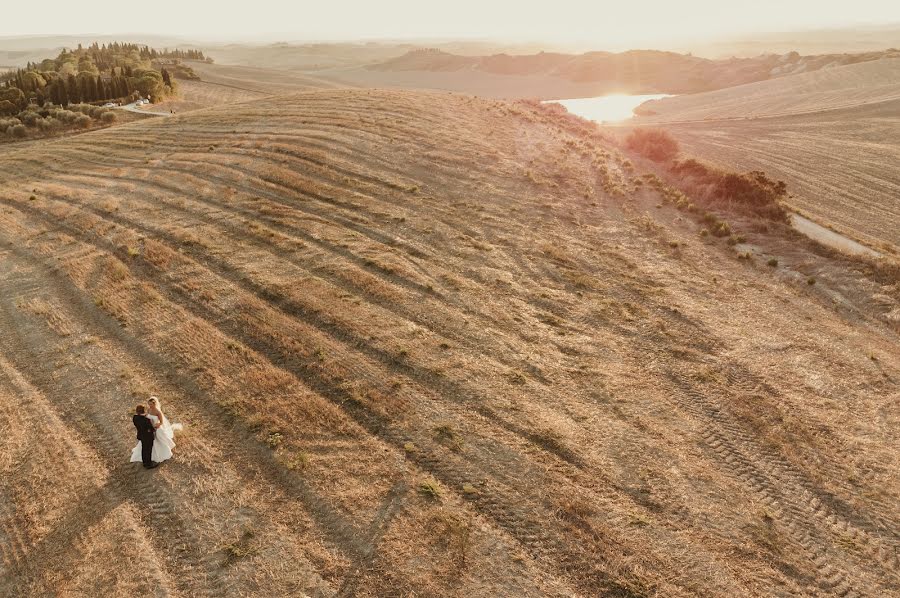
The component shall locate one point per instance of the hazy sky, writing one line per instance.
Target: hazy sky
(599, 22)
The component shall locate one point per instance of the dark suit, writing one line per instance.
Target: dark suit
(145, 433)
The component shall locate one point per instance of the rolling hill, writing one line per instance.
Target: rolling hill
(832, 135)
(826, 89)
(401, 374)
(556, 75)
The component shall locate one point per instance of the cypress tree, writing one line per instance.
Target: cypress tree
(72, 89)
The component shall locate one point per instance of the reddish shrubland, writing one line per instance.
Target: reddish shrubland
(655, 144)
(752, 192)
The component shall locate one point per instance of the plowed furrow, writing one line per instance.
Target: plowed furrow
(744, 460)
(528, 523)
(472, 341)
(239, 443)
(295, 310)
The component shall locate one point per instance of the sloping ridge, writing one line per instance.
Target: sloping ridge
(422, 343)
(827, 89)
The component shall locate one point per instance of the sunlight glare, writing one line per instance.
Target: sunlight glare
(609, 108)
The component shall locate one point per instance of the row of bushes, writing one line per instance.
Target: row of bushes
(50, 119)
(752, 192)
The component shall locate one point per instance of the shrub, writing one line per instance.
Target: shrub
(753, 191)
(430, 488)
(108, 117)
(17, 131)
(83, 121)
(29, 118)
(722, 230)
(48, 125)
(656, 144)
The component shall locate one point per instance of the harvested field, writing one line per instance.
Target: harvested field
(193, 95)
(426, 345)
(839, 165)
(259, 79)
(827, 89)
(832, 135)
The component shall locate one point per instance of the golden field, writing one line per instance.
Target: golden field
(427, 345)
(832, 135)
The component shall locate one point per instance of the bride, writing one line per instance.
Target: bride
(165, 434)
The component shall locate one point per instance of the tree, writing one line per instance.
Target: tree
(11, 100)
(72, 89)
(150, 84)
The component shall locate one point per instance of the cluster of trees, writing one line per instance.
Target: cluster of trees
(49, 119)
(185, 55)
(106, 56)
(96, 74)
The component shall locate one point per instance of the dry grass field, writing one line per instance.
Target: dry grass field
(232, 84)
(258, 78)
(427, 345)
(827, 89)
(840, 165)
(832, 135)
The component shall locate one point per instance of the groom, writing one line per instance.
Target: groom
(145, 433)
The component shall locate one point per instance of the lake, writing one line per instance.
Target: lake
(609, 108)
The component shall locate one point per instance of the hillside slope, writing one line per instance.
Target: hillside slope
(827, 89)
(833, 136)
(424, 344)
(555, 75)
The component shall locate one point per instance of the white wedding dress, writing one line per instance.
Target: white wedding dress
(163, 443)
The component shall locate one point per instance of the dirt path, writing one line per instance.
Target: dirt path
(830, 238)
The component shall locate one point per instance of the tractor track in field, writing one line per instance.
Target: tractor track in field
(526, 523)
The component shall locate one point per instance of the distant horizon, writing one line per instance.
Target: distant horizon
(700, 44)
(564, 23)
(300, 38)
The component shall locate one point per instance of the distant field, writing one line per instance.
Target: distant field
(230, 84)
(833, 135)
(841, 165)
(193, 95)
(259, 79)
(426, 345)
(826, 89)
(474, 82)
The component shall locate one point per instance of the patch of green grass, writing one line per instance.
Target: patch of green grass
(430, 488)
(469, 490)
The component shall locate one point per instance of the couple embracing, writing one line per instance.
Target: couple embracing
(156, 436)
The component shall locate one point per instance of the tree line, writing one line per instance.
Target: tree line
(95, 74)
